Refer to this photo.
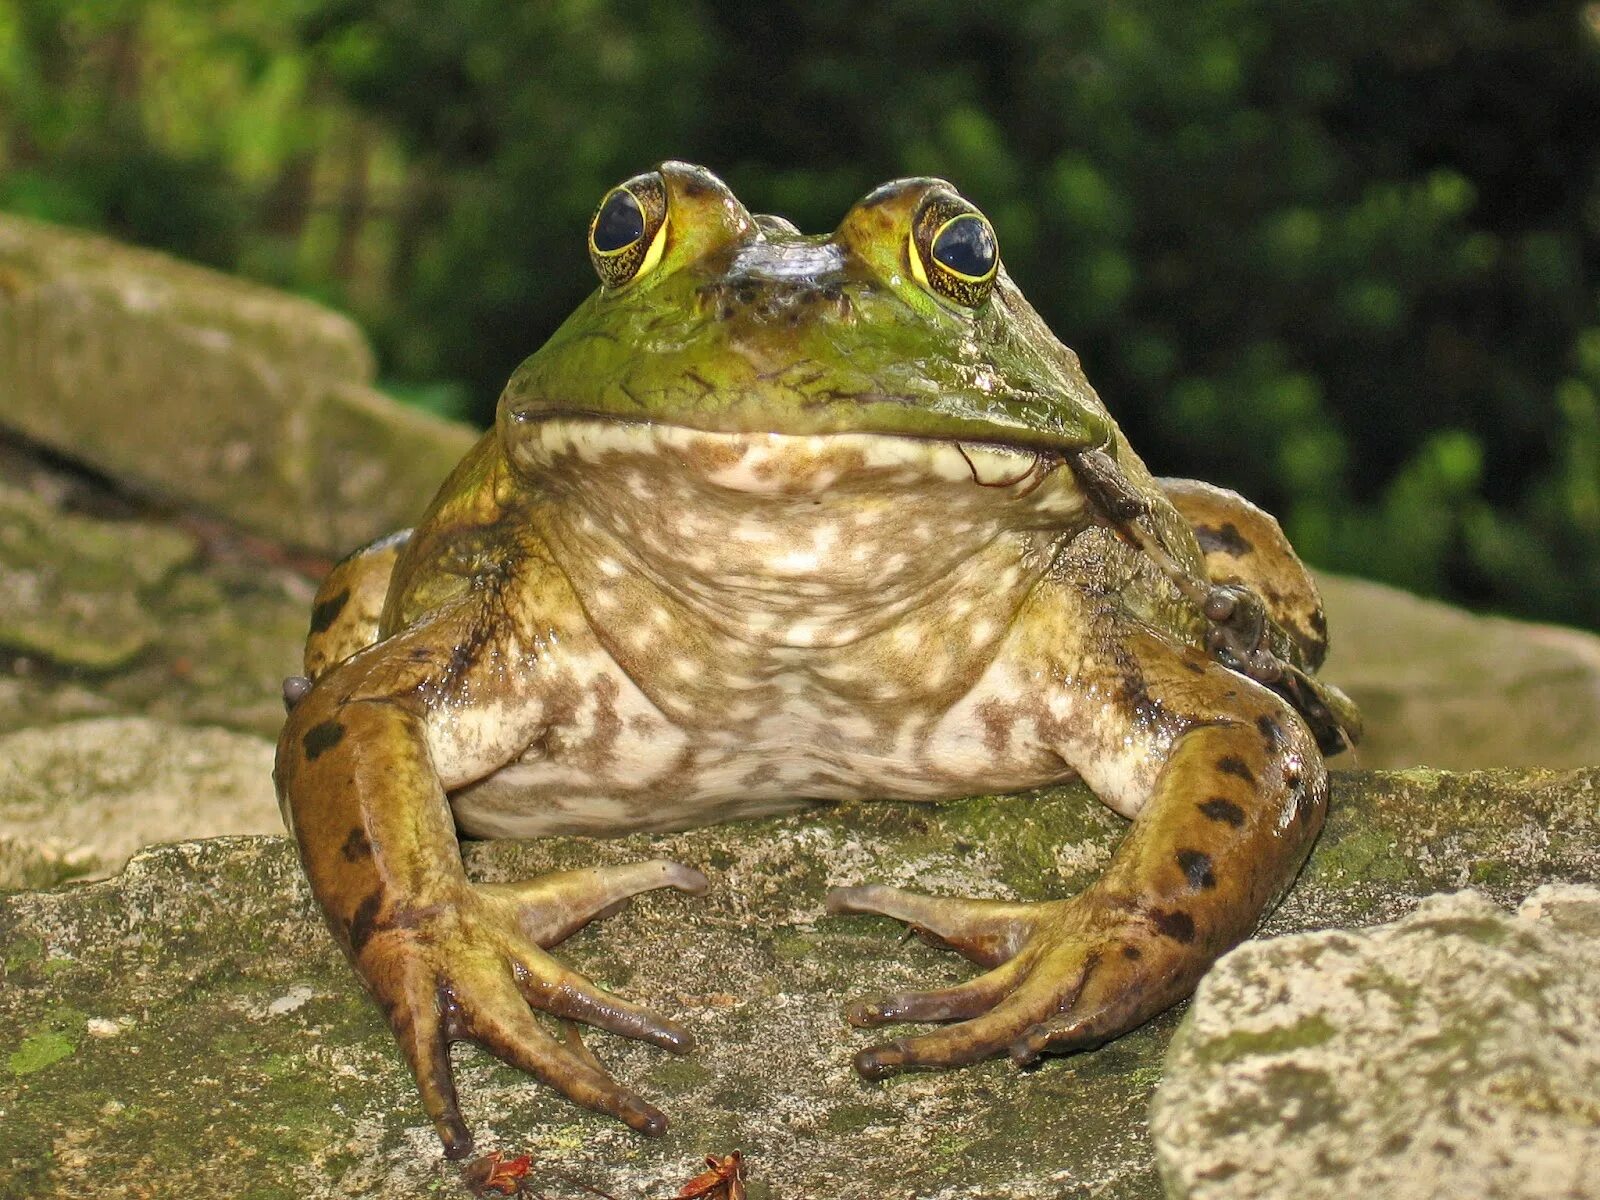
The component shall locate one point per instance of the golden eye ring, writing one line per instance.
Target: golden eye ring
(953, 250)
(628, 232)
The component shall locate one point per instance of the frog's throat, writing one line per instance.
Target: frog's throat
(780, 464)
(800, 540)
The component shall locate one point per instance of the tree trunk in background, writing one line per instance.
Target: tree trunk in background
(417, 208)
(351, 209)
(287, 203)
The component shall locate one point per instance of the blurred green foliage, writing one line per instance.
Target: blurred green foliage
(1342, 255)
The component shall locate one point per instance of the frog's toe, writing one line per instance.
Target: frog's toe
(958, 1003)
(986, 931)
(552, 988)
(1086, 970)
(986, 1036)
(504, 1027)
(467, 971)
(424, 1019)
(1105, 1005)
(555, 906)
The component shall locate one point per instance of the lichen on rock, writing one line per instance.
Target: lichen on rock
(1454, 1052)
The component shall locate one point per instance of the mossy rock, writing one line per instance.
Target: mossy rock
(1455, 1052)
(208, 391)
(193, 1012)
(72, 588)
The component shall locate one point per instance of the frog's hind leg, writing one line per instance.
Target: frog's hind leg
(1227, 791)
(344, 617)
(1244, 544)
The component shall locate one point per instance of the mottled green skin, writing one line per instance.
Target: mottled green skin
(775, 523)
(880, 354)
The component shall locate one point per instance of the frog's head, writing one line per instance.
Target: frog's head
(902, 322)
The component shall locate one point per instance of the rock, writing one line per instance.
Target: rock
(71, 586)
(1445, 688)
(1455, 1052)
(208, 391)
(109, 609)
(78, 798)
(25, 863)
(244, 1044)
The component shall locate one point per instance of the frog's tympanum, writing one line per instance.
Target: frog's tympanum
(775, 519)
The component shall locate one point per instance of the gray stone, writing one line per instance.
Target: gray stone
(1455, 1052)
(1445, 688)
(209, 391)
(106, 609)
(72, 587)
(193, 1012)
(82, 796)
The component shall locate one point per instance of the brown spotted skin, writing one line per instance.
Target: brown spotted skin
(1244, 544)
(1236, 800)
(445, 960)
(679, 582)
(349, 604)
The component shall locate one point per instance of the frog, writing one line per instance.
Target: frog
(775, 520)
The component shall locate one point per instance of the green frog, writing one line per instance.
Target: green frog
(774, 520)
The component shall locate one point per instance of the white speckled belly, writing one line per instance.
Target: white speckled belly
(777, 620)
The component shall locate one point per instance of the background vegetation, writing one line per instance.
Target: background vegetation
(1343, 255)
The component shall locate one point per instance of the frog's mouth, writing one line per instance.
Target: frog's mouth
(787, 464)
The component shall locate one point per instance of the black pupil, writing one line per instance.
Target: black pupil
(966, 246)
(620, 223)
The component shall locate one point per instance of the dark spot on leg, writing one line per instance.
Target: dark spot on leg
(1194, 668)
(326, 613)
(1223, 539)
(1196, 868)
(466, 653)
(1224, 810)
(321, 738)
(356, 846)
(1319, 624)
(1232, 764)
(1174, 923)
(1270, 730)
(363, 924)
(1132, 953)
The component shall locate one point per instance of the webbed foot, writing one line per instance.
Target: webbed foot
(472, 967)
(1065, 975)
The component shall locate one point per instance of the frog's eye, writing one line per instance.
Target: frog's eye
(629, 229)
(953, 250)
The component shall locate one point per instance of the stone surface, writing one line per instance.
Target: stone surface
(87, 794)
(1453, 1053)
(192, 1014)
(1446, 688)
(104, 608)
(208, 391)
(72, 588)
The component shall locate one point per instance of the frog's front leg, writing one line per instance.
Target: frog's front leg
(1227, 791)
(363, 789)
